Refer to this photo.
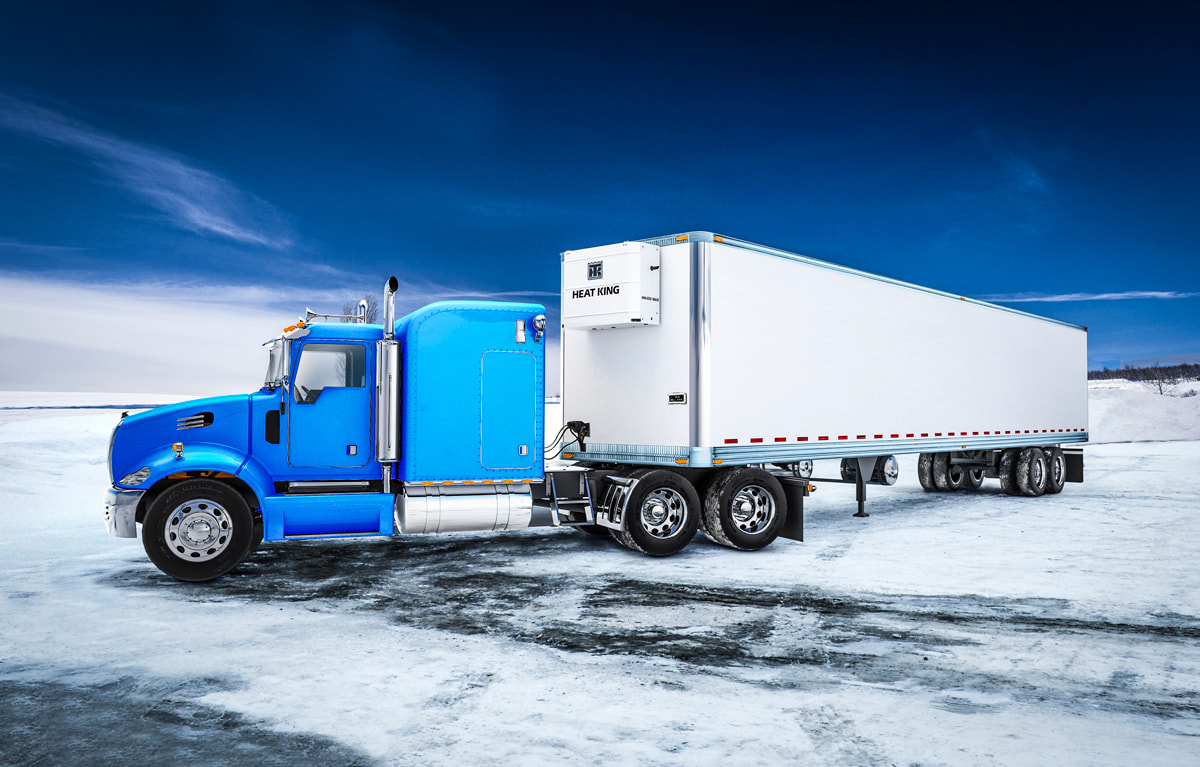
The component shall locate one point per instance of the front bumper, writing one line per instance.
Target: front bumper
(120, 511)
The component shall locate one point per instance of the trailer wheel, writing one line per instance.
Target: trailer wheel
(974, 478)
(946, 476)
(744, 509)
(198, 530)
(662, 513)
(925, 471)
(1007, 471)
(1056, 470)
(956, 476)
(1032, 468)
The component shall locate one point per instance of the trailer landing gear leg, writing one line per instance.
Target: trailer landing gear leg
(860, 485)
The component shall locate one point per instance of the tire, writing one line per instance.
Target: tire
(1056, 470)
(744, 509)
(257, 537)
(1032, 468)
(662, 513)
(974, 478)
(849, 469)
(956, 476)
(220, 530)
(1007, 471)
(941, 473)
(925, 471)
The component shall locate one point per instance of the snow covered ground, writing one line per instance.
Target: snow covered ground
(973, 629)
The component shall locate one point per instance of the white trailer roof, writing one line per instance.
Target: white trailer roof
(702, 236)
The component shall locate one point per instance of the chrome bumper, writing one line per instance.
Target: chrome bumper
(120, 511)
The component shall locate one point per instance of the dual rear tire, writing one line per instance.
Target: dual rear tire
(1033, 471)
(743, 508)
(1030, 471)
(936, 471)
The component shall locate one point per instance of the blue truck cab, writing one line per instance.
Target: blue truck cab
(429, 423)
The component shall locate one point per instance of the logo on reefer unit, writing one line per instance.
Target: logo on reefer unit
(595, 270)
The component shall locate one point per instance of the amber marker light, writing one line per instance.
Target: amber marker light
(178, 448)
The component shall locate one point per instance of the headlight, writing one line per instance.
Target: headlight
(136, 478)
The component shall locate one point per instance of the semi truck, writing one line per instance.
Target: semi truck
(701, 377)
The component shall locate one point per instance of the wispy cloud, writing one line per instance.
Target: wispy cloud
(192, 198)
(1019, 298)
(35, 248)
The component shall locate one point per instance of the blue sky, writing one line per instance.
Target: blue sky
(254, 158)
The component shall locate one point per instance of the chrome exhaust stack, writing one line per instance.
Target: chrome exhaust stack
(387, 389)
(389, 309)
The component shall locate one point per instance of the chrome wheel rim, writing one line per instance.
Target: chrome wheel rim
(1037, 473)
(753, 509)
(198, 530)
(1058, 467)
(663, 513)
(956, 475)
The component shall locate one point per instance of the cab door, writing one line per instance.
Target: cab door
(508, 411)
(329, 419)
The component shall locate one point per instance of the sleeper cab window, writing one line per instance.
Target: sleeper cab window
(324, 365)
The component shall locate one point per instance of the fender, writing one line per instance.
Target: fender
(258, 479)
(198, 457)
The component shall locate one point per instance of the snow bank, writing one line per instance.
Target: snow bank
(1126, 411)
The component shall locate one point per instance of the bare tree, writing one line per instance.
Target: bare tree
(1159, 378)
(351, 308)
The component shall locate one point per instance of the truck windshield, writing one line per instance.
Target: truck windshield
(275, 365)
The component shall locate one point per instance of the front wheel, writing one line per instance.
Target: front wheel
(198, 530)
(662, 513)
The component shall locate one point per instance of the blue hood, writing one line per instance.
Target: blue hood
(219, 421)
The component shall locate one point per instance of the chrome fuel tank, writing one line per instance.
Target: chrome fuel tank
(458, 508)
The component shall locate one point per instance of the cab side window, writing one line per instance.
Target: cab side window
(325, 365)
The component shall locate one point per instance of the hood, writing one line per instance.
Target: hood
(223, 421)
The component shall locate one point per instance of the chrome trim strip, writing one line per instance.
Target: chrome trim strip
(120, 512)
(650, 454)
(701, 340)
(197, 421)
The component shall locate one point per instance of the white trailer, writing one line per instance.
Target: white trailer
(697, 351)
